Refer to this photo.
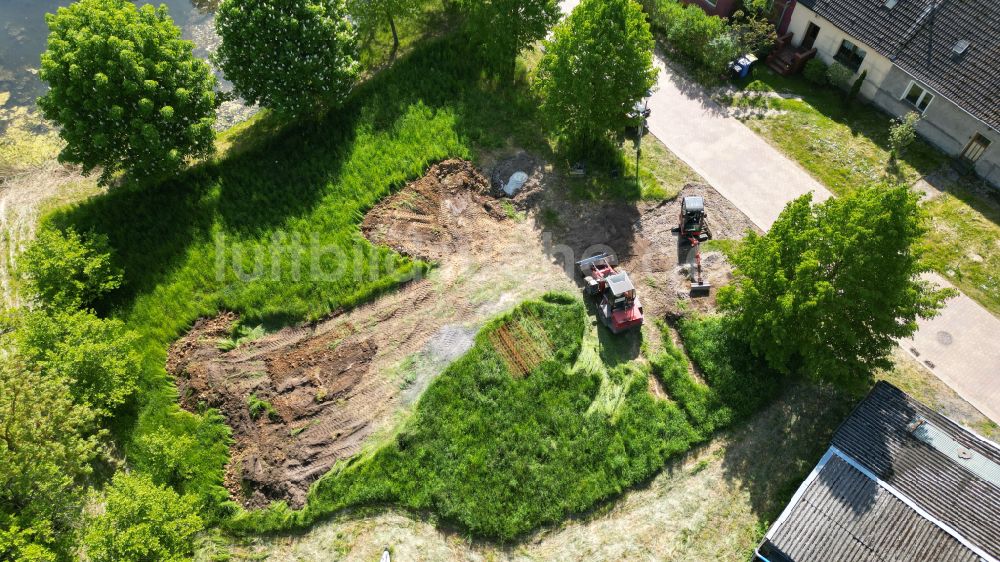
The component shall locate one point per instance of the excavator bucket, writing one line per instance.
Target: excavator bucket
(700, 288)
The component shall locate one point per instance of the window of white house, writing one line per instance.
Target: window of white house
(850, 55)
(918, 96)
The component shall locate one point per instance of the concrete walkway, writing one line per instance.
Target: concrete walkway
(961, 345)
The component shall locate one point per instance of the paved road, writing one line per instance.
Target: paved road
(738, 163)
(961, 345)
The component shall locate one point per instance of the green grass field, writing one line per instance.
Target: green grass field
(311, 182)
(499, 451)
(269, 229)
(845, 148)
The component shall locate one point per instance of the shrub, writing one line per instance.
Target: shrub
(45, 453)
(125, 89)
(709, 41)
(856, 87)
(296, 57)
(142, 521)
(815, 72)
(691, 31)
(839, 75)
(165, 456)
(720, 51)
(902, 133)
(95, 357)
(752, 34)
(66, 270)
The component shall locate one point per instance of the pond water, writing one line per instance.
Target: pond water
(23, 34)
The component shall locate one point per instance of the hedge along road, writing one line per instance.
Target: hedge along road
(959, 345)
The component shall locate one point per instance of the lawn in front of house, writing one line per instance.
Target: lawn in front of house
(848, 147)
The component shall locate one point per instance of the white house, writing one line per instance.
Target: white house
(940, 58)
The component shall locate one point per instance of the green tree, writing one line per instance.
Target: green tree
(828, 290)
(45, 453)
(852, 95)
(296, 57)
(66, 270)
(96, 357)
(597, 65)
(125, 89)
(370, 14)
(752, 34)
(503, 28)
(142, 521)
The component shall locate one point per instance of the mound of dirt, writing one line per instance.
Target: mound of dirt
(433, 217)
(296, 401)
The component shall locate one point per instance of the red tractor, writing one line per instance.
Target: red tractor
(618, 306)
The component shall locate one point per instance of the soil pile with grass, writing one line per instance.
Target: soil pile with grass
(436, 216)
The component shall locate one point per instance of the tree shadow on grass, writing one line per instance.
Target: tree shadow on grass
(774, 451)
(616, 349)
(266, 182)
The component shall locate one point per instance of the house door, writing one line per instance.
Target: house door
(811, 32)
(976, 147)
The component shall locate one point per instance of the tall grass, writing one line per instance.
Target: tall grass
(313, 181)
(736, 384)
(501, 454)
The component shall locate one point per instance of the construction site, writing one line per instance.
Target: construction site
(303, 398)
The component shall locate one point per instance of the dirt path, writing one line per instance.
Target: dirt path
(31, 181)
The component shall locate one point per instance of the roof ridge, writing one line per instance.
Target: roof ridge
(913, 505)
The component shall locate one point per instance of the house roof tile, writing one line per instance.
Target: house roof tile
(900, 482)
(919, 37)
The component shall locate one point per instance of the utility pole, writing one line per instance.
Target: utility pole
(638, 140)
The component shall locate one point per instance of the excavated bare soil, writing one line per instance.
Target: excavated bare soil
(333, 384)
(435, 216)
(640, 234)
(322, 402)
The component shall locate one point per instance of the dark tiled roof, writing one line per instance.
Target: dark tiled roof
(920, 41)
(876, 435)
(843, 515)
